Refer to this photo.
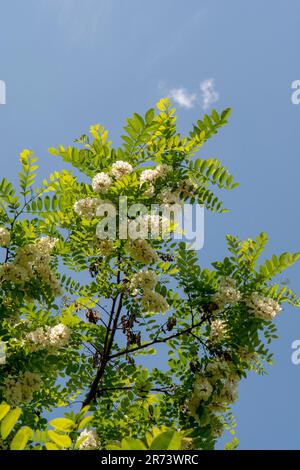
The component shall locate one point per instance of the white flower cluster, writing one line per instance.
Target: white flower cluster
(141, 251)
(217, 386)
(20, 389)
(227, 293)
(263, 307)
(87, 207)
(170, 198)
(154, 302)
(218, 331)
(120, 169)
(144, 280)
(32, 260)
(157, 225)
(4, 236)
(89, 440)
(160, 172)
(50, 338)
(101, 183)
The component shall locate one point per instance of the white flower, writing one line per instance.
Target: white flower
(150, 191)
(51, 338)
(90, 442)
(141, 251)
(87, 207)
(227, 293)
(263, 307)
(147, 176)
(120, 169)
(163, 170)
(20, 389)
(45, 245)
(158, 226)
(4, 236)
(217, 370)
(170, 197)
(59, 335)
(14, 273)
(31, 261)
(151, 175)
(143, 280)
(202, 392)
(101, 183)
(202, 388)
(228, 393)
(154, 302)
(218, 331)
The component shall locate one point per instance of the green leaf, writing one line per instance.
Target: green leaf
(129, 443)
(4, 409)
(61, 440)
(168, 440)
(51, 446)
(63, 424)
(20, 440)
(85, 421)
(9, 422)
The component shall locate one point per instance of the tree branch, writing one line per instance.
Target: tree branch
(158, 340)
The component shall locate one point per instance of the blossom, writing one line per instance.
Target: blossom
(87, 207)
(88, 440)
(228, 393)
(150, 191)
(153, 301)
(202, 388)
(217, 331)
(20, 389)
(59, 335)
(217, 370)
(101, 182)
(51, 338)
(120, 169)
(163, 170)
(4, 236)
(147, 176)
(169, 197)
(202, 391)
(227, 293)
(263, 307)
(141, 251)
(45, 245)
(13, 273)
(157, 225)
(151, 175)
(143, 280)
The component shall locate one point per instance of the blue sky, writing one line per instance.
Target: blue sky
(71, 63)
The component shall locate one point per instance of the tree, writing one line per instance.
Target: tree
(82, 312)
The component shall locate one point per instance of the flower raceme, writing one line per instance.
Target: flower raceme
(50, 338)
(4, 237)
(31, 261)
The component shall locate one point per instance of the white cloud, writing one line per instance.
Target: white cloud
(183, 98)
(208, 93)
(186, 99)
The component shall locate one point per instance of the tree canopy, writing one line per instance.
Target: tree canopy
(142, 345)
